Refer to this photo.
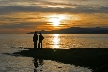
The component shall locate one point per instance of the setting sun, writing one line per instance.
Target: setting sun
(56, 19)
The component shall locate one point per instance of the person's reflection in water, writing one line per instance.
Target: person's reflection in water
(40, 62)
(37, 63)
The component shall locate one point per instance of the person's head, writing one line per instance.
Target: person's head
(35, 32)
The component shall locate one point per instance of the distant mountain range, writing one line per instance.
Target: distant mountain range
(76, 30)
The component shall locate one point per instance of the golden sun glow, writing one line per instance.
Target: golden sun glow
(56, 19)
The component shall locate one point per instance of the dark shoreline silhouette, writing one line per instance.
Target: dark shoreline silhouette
(77, 30)
(92, 58)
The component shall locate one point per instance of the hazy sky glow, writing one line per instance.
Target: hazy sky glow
(22, 16)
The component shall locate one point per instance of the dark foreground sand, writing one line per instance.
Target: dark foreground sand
(93, 58)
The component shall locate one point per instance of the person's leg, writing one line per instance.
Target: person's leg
(35, 44)
(41, 44)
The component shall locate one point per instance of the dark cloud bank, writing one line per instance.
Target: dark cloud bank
(78, 9)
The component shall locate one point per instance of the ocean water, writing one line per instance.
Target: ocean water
(10, 43)
(56, 40)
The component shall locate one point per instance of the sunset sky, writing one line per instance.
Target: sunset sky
(22, 16)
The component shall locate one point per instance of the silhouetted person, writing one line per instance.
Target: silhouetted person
(35, 39)
(40, 40)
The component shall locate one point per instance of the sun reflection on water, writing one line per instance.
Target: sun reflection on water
(56, 41)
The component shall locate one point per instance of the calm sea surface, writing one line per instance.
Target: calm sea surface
(10, 43)
(56, 40)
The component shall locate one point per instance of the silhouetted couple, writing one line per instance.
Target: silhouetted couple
(35, 40)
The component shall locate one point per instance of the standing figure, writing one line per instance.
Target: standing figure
(35, 39)
(40, 40)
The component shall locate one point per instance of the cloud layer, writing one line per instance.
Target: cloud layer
(33, 14)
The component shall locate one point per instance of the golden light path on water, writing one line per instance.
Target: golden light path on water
(56, 40)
